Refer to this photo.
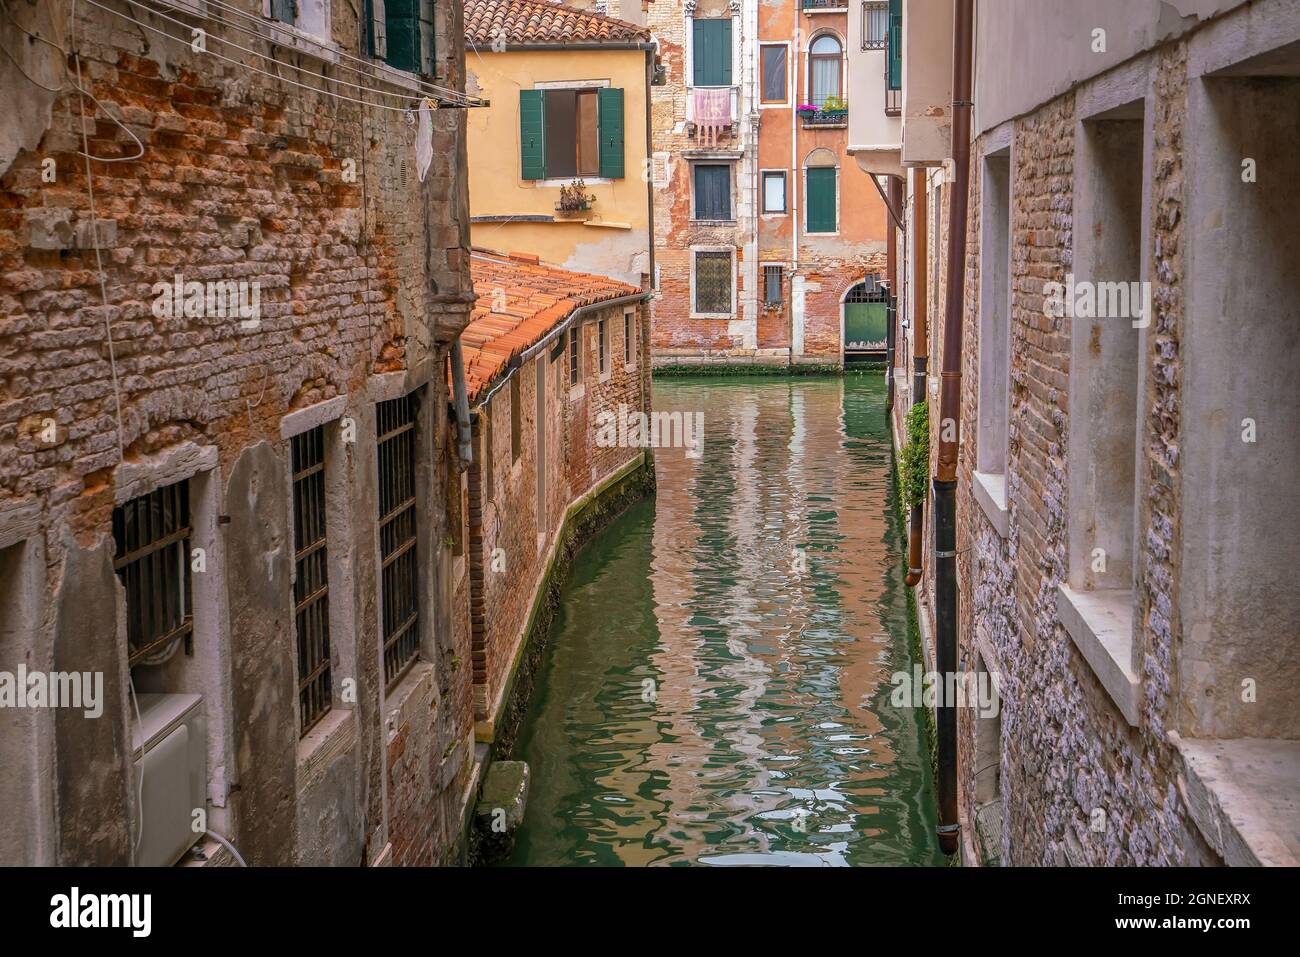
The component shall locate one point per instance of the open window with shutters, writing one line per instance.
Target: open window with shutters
(571, 132)
(399, 32)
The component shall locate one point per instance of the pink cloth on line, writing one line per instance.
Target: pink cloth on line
(712, 109)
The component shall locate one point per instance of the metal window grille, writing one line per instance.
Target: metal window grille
(575, 360)
(627, 338)
(875, 25)
(152, 537)
(399, 570)
(311, 578)
(772, 286)
(870, 290)
(602, 335)
(713, 282)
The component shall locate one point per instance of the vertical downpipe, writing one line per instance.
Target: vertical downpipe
(945, 478)
(891, 281)
(921, 284)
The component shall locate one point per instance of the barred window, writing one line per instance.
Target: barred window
(713, 283)
(628, 323)
(602, 337)
(399, 569)
(575, 355)
(772, 294)
(311, 579)
(152, 558)
(875, 25)
(516, 419)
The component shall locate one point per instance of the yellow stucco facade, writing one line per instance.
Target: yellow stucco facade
(513, 214)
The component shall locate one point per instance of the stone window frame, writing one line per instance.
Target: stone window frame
(692, 161)
(762, 192)
(604, 349)
(574, 346)
(1102, 623)
(989, 478)
(688, 52)
(813, 37)
(331, 415)
(782, 104)
(713, 249)
(27, 736)
(839, 192)
(207, 672)
(631, 339)
(310, 32)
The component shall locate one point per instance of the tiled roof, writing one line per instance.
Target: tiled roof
(520, 300)
(540, 21)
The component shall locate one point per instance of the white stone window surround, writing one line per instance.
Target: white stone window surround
(731, 250)
(689, 66)
(309, 33)
(207, 673)
(813, 37)
(989, 480)
(789, 76)
(728, 158)
(1101, 620)
(329, 414)
(762, 197)
(631, 326)
(839, 199)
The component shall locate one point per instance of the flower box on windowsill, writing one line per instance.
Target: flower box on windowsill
(827, 118)
(584, 212)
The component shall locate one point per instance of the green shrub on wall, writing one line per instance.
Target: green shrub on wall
(915, 457)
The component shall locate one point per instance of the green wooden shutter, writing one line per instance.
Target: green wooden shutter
(532, 134)
(402, 24)
(286, 11)
(821, 199)
(711, 52)
(894, 44)
(609, 105)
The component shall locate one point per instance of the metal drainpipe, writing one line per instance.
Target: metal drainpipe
(920, 355)
(891, 279)
(792, 183)
(945, 477)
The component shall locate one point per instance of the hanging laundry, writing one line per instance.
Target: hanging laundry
(712, 108)
(424, 139)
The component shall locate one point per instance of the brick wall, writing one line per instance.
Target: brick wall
(575, 463)
(243, 178)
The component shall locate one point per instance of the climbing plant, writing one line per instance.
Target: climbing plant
(914, 461)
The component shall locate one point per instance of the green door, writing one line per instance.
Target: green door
(864, 326)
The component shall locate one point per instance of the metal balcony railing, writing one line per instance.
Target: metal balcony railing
(893, 101)
(824, 117)
(815, 5)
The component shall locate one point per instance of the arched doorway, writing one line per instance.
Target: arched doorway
(866, 319)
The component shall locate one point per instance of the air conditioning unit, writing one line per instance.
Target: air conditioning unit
(170, 748)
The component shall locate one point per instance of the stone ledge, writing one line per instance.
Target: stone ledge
(1101, 625)
(1244, 795)
(991, 493)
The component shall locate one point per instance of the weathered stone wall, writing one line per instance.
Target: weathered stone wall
(242, 178)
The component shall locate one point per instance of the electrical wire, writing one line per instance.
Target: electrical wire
(270, 58)
(252, 69)
(30, 79)
(324, 46)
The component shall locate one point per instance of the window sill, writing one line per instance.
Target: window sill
(713, 222)
(991, 493)
(576, 392)
(1242, 795)
(557, 183)
(1101, 625)
(331, 735)
(721, 316)
(296, 38)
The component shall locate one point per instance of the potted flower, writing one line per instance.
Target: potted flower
(807, 109)
(835, 104)
(574, 199)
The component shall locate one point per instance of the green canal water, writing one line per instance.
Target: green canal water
(716, 690)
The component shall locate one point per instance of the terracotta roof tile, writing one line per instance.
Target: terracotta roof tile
(541, 21)
(520, 300)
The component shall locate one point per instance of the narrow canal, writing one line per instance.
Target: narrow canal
(718, 680)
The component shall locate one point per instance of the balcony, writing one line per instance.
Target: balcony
(825, 6)
(893, 100)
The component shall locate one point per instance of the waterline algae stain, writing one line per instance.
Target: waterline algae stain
(717, 686)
